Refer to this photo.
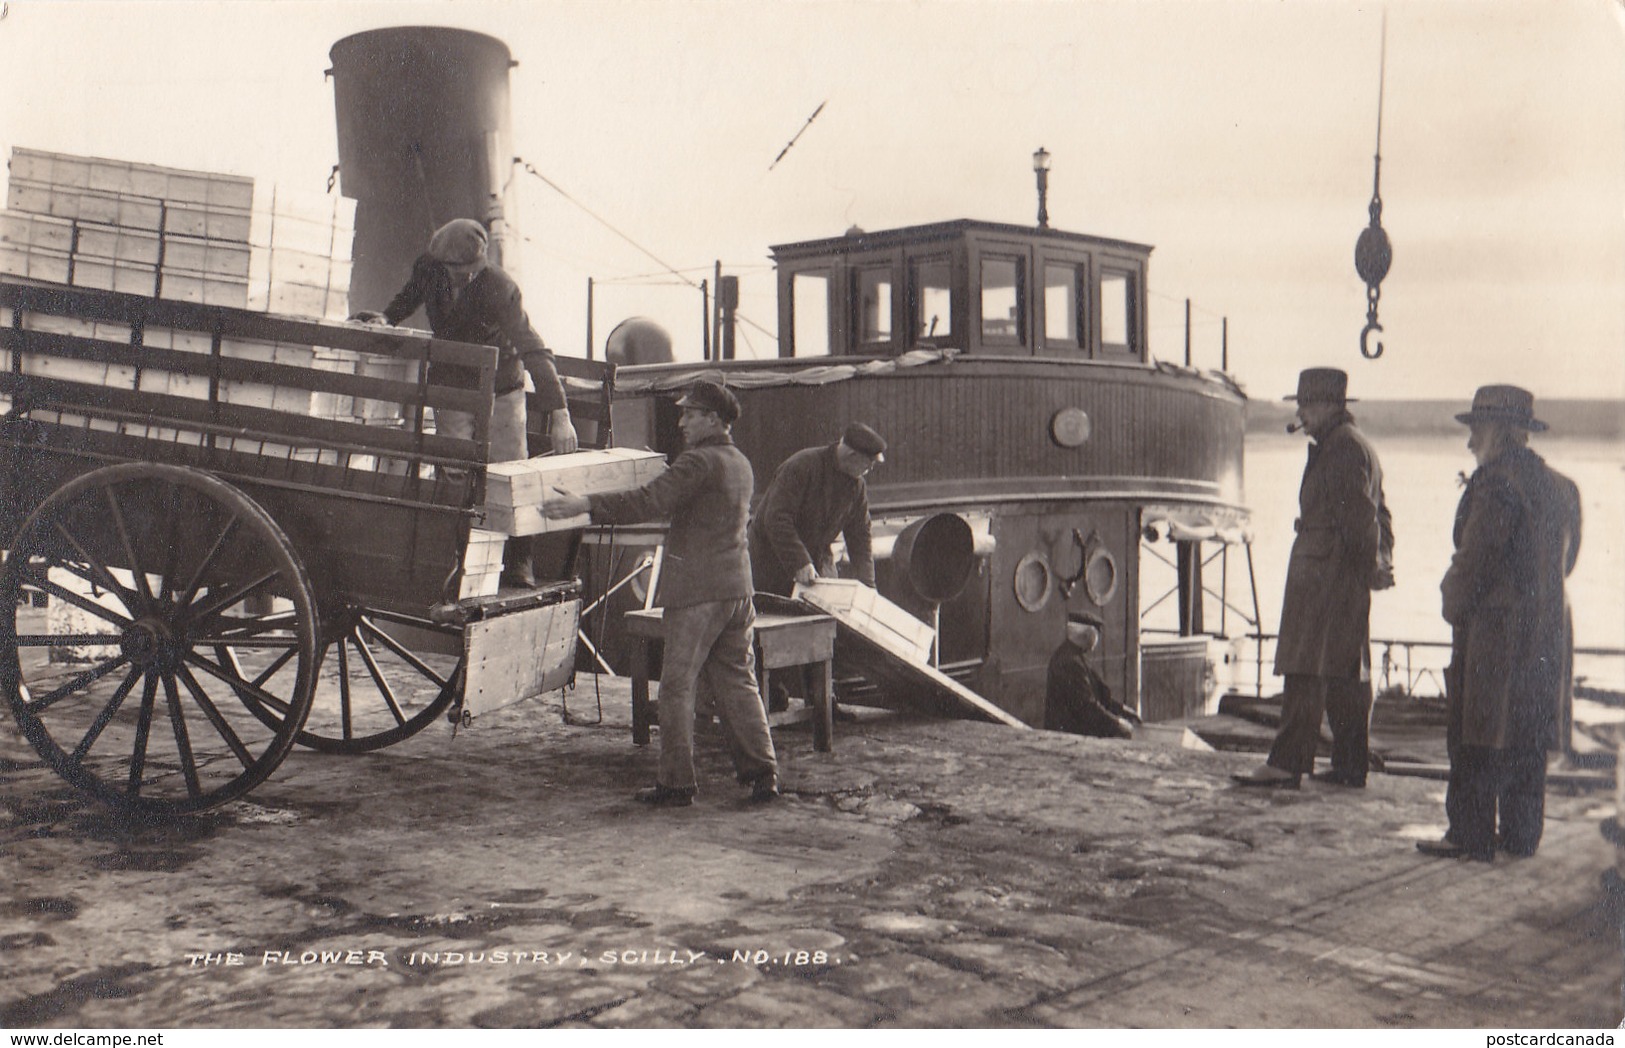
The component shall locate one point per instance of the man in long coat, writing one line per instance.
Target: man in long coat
(1517, 536)
(1343, 551)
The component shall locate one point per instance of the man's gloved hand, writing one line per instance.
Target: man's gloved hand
(369, 316)
(1382, 577)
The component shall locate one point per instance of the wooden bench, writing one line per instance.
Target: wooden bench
(782, 642)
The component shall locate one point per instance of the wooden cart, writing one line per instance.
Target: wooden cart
(211, 516)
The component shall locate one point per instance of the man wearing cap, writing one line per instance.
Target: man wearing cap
(705, 589)
(1517, 535)
(1343, 550)
(817, 494)
(1076, 697)
(470, 299)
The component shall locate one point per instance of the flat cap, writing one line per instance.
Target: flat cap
(859, 437)
(709, 396)
(458, 242)
(1085, 617)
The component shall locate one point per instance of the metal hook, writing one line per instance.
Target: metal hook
(1365, 349)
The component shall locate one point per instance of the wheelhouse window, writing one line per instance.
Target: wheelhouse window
(1002, 300)
(933, 300)
(809, 305)
(1117, 314)
(874, 300)
(1063, 306)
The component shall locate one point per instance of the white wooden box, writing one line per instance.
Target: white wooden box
(23, 230)
(220, 258)
(857, 606)
(132, 278)
(184, 286)
(199, 220)
(117, 244)
(515, 492)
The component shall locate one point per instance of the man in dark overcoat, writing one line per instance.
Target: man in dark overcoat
(1343, 550)
(1517, 536)
(709, 617)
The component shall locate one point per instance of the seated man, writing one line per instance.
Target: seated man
(1077, 699)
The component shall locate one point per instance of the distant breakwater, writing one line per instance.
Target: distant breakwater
(1600, 419)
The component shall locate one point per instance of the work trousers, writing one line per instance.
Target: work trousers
(1483, 781)
(713, 642)
(1345, 703)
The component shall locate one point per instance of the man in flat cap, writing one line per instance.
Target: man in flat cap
(817, 494)
(705, 590)
(1517, 536)
(1076, 698)
(470, 299)
(1344, 549)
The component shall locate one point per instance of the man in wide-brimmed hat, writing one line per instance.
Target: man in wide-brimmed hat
(1343, 550)
(709, 618)
(1517, 535)
(1077, 698)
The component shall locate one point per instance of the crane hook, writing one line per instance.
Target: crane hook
(1365, 336)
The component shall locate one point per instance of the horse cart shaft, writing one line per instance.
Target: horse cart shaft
(229, 533)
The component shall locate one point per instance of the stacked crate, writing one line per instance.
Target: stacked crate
(121, 226)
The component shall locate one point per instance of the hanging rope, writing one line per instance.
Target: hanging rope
(1372, 252)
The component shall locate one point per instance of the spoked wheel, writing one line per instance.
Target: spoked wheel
(379, 681)
(175, 658)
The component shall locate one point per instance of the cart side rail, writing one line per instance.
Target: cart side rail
(327, 425)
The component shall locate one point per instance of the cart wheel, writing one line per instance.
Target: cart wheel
(176, 657)
(379, 684)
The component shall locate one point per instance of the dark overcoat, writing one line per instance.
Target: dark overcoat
(1517, 535)
(1345, 536)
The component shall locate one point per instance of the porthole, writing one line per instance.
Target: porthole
(1100, 574)
(1034, 581)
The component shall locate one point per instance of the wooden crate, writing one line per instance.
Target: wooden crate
(515, 492)
(857, 606)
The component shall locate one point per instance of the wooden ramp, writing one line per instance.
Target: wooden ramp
(904, 683)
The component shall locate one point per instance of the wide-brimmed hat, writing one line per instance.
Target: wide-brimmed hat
(1323, 385)
(859, 437)
(1508, 404)
(709, 396)
(1085, 617)
(459, 242)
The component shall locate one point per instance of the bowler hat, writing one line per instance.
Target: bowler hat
(1326, 385)
(709, 396)
(1508, 404)
(459, 242)
(1085, 617)
(859, 437)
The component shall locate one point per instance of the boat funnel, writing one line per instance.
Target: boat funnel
(936, 554)
(424, 136)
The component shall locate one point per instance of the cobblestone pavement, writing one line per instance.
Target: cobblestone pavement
(927, 873)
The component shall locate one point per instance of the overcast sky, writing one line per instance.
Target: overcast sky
(1235, 136)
